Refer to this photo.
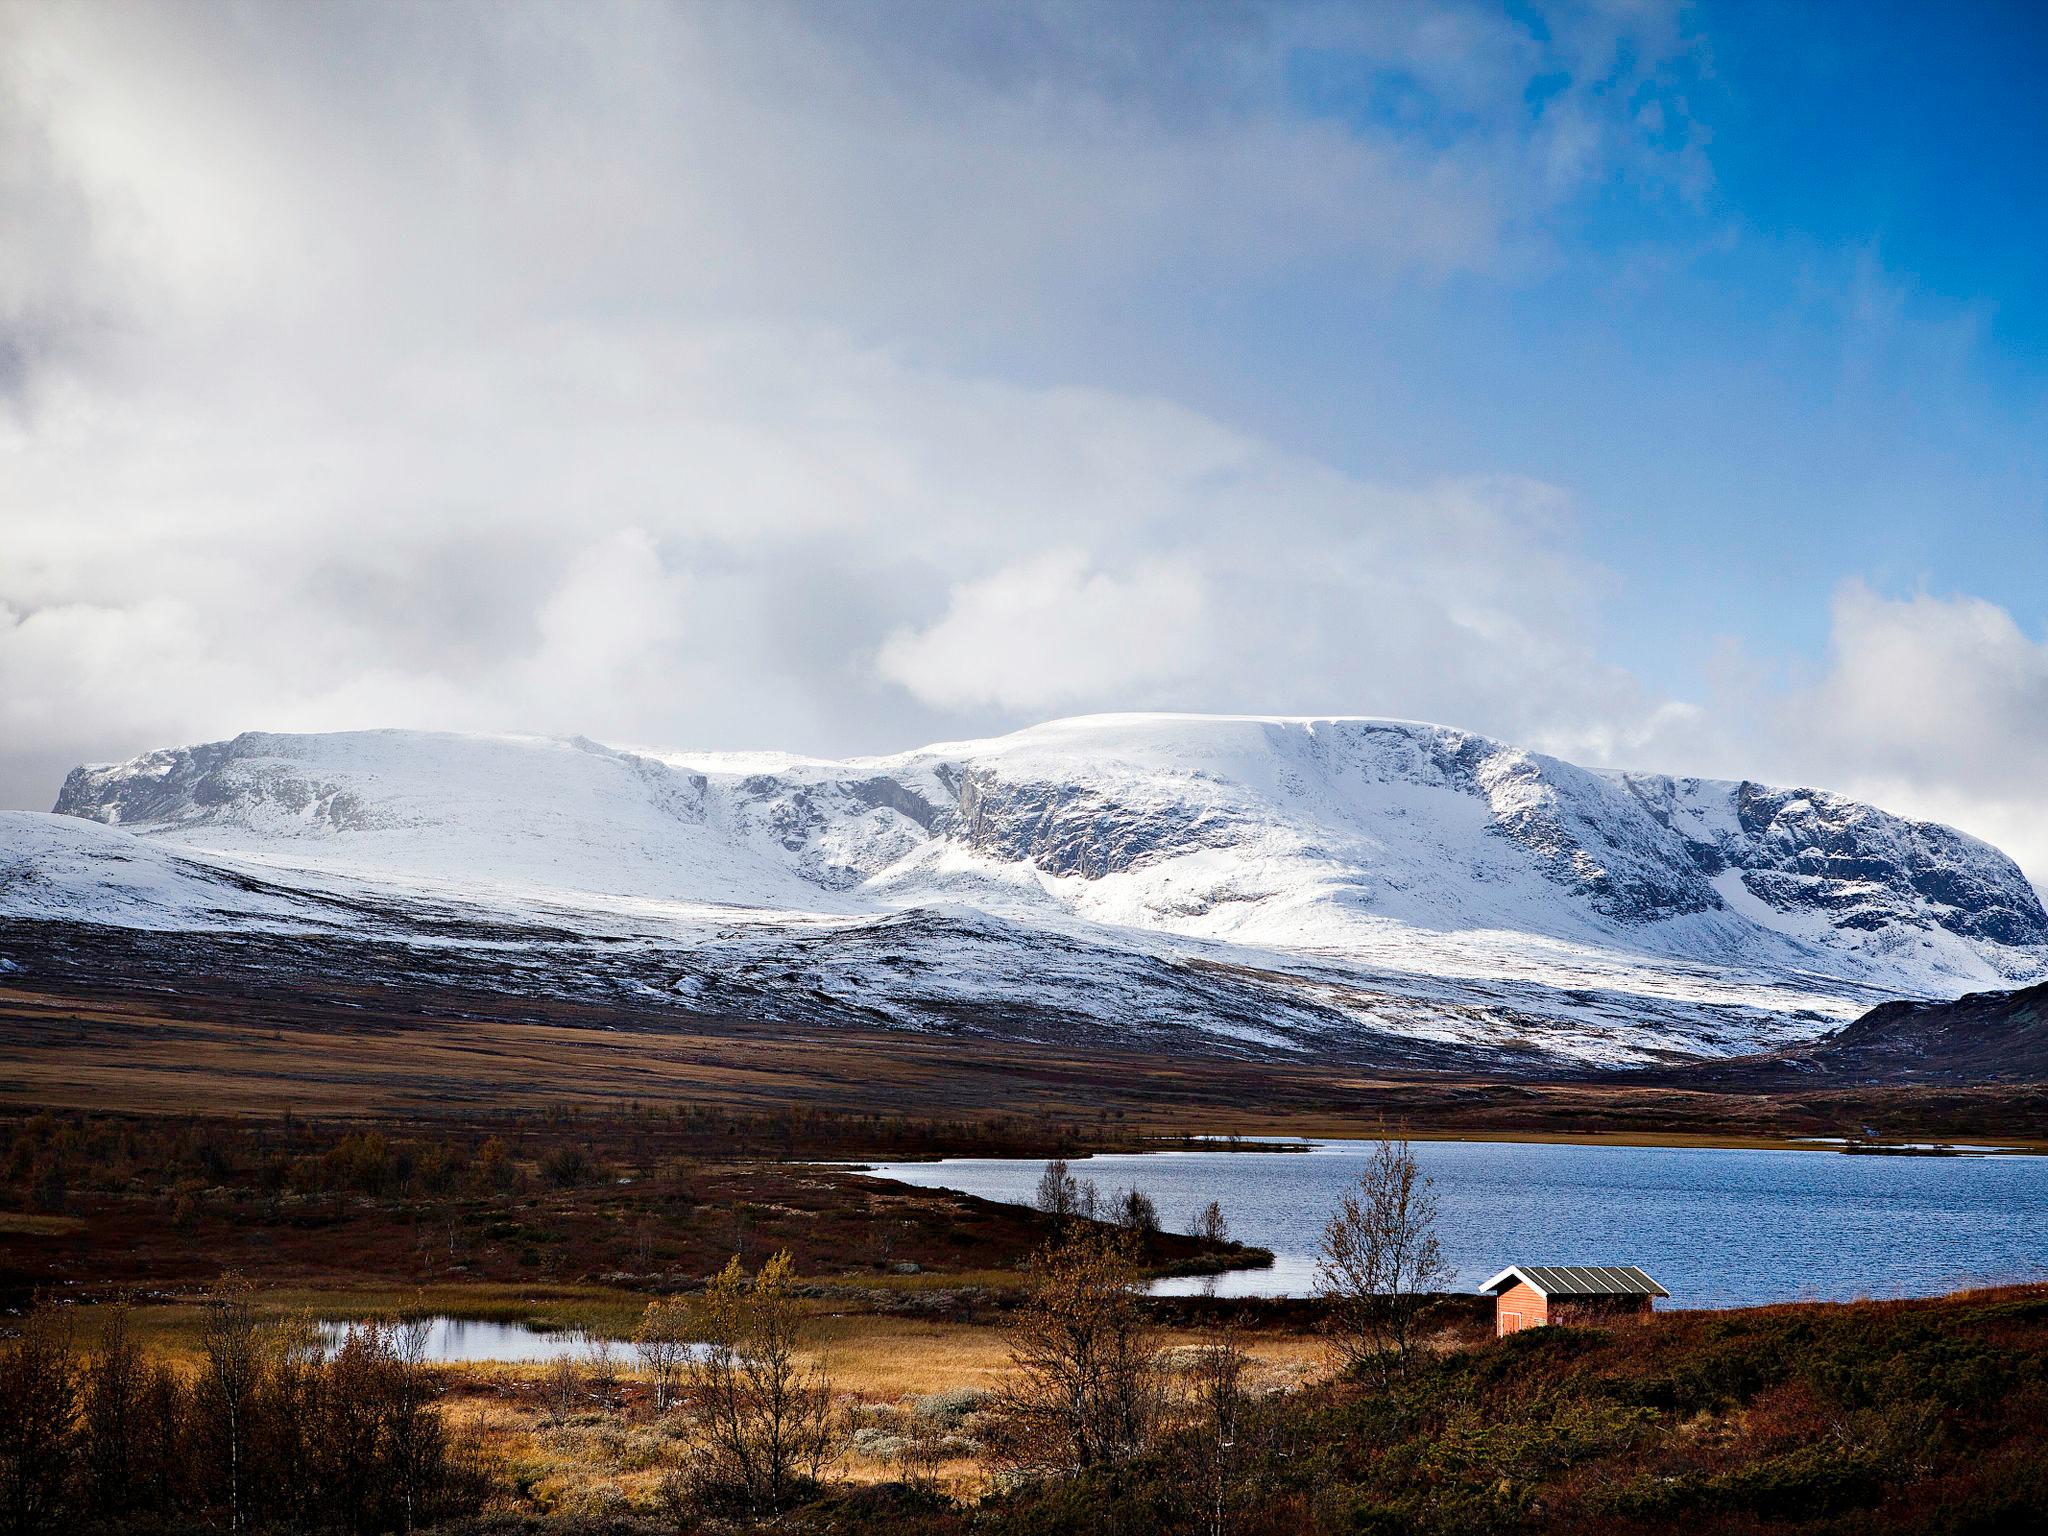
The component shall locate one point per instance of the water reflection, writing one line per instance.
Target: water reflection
(452, 1339)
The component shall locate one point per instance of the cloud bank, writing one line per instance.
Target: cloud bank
(667, 374)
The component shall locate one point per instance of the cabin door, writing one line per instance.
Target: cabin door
(1510, 1322)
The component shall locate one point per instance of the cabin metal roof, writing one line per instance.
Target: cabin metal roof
(1578, 1280)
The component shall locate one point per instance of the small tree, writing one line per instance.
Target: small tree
(764, 1420)
(663, 1343)
(163, 1472)
(114, 1443)
(1380, 1258)
(1084, 1391)
(601, 1366)
(493, 1168)
(1059, 1192)
(562, 1384)
(1209, 1224)
(1136, 1213)
(287, 1435)
(1215, 1414)
(923, 1450)
(230, 1377)
(350, 1433)
(419, 1445)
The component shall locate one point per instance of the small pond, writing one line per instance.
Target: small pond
(453, 1339)
(456, 1340)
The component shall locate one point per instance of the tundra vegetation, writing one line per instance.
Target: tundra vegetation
(735, 1394)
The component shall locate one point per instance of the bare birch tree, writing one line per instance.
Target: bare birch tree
(662, 1342)
(600, 1365)
(230, 1377)
(418, 1437)
(1380, 1258)
(1214, 1411)
(1059, 1192)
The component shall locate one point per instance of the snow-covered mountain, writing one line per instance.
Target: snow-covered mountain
(1369, 888)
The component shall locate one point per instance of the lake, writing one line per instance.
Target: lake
(1718, 1228)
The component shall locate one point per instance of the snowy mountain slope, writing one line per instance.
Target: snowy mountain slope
(53, 867)
(1279, 884)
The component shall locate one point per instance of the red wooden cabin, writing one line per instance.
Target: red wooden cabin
(1536, 1295)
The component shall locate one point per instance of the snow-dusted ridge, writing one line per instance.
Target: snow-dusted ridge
(1271, 883)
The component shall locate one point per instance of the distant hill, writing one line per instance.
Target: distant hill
(1981, 1037)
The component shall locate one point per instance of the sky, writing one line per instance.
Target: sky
(1657, 385)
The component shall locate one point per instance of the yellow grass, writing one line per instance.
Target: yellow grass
(882, 1358)
(889, 1358)
(931, 1280)
(595, 1464)
(886, 1358)
(23, 1224)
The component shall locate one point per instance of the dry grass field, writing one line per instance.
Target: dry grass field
(378, 1052)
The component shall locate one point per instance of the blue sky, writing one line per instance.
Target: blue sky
(1655, 384)
(1822, 359)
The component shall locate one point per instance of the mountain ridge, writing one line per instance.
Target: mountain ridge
(1413, 879)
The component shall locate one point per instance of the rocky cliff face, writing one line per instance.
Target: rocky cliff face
(1804, 851)
(248, 780)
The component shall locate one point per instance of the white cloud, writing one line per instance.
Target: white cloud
(1937, 706)
(1931, 706)
(1927, 688)
(614, 622)
(1051, 632)
(601, 369)
(759, 535)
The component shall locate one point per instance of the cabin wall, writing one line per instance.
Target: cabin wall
(1519, 1306)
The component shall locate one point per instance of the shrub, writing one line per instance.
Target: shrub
(1379, 1258)
(952, 1408)
(1209, 1224)
(1083, 1390)
(38, 1423)
(1136, 1212)
(764, 1427)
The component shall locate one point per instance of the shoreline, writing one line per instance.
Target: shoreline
(1305, 1141)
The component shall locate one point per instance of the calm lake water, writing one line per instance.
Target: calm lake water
(1716, 1228)
(463, 1339)
(456, 1338)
